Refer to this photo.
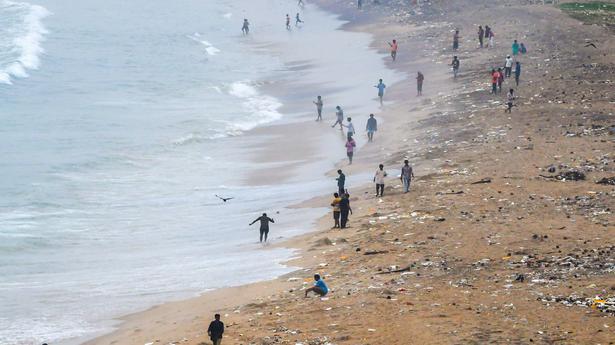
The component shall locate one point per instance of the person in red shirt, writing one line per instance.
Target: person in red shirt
(500, 79)
(393, 49)
(495, 76)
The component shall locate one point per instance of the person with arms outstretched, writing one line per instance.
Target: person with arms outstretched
(264, 229)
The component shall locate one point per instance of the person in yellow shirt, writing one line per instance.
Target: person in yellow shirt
(336, 209)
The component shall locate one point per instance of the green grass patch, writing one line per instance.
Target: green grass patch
(593, 12)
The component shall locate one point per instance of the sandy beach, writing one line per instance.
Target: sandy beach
(506, 236)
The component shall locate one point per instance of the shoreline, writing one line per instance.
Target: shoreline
(173, 322)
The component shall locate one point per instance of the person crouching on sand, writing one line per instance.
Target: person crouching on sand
(350, 145)
(319, 287)
(215, 330)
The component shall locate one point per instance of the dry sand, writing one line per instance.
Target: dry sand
(455, 262)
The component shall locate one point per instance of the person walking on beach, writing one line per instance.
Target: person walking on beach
(508, 66)
(379, 180)
(494, 81)
(380, 88)
(456, 40)
(481, 34)
(300, 3)
(264, 229)
(336, 209)
(350, 127)
(517, 72)
(487, 34)
(515, 48)
(509, 101)
(371, 127)
(215, 330)
(341, 181)
(393, 49)
(339, 115)
(287, 22)
(523, 49)
(500, 79)
(419, 83)
(319, 287)
(298, 20)
(345, 209)
(491, 39)
(350, 145)
(406, 176)
(319, 104)
(455, 65)
(359, 4)
(245, 29)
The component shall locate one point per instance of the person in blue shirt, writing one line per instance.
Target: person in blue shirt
(319, 287)
(380, 88)
(371, 127)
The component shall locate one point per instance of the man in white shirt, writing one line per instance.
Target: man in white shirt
(508, 66)
(379, 180)
(350, 127)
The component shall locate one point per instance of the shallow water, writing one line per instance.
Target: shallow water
(119, 121)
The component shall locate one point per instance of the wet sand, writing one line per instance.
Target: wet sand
(454, 261)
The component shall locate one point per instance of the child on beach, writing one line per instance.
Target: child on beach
(336, 209)
(380, 88)
(319, 287)
(455, 65)
(393, 49)
(350, 145)
(419, 83)
(371, 127)
(379, 180)
(350, 127)
(339, 115)
(298, 20)
(510, 98)
(523, 49)
(319, 104)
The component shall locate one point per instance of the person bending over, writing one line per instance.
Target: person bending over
(319, 287)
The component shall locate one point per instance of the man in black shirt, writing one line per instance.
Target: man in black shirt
(344, 206)
(264, 225)
(215, 330)
(341, 181)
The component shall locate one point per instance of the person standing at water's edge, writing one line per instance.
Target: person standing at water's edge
(246, 27)
(345, 209)
(341, 182)
(287, 22)
(455, 63)
(336, 209)
(371, 127)
(339, 117)
(319, 105)
(406, 176)
(379, 180)
(215, 330)
(264, 229)
(393, 49)
(419, 83)
(350, 127)
(350, 145)
(380, 88)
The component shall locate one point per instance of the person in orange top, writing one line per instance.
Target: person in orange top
(393, 49)
(495, 76)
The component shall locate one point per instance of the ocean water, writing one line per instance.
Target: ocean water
(120, 120)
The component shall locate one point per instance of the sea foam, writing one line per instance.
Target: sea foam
(23, 32)
(262, 108)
